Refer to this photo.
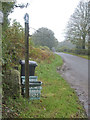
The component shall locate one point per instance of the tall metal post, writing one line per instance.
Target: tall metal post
(26, 55)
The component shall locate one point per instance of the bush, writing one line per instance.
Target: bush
(39, 54)
(44, 48)
(81, 51)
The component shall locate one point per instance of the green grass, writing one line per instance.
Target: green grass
(57, 100)
(82, 56)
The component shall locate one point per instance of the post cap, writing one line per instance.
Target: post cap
(26, 18)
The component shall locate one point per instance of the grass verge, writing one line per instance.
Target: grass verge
(57, 100)
(82, 56)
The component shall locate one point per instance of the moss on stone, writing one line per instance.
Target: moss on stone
(12, 83)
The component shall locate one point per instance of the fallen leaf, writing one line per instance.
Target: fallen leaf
(40, 100)
(16, 114)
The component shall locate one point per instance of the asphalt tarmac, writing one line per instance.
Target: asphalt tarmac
(75, 72)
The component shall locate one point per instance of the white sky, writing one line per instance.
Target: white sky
(53, 14)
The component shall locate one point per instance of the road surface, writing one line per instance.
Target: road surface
(75, 71)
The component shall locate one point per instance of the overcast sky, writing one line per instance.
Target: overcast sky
(53, 14)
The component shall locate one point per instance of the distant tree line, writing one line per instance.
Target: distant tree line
(65, 46)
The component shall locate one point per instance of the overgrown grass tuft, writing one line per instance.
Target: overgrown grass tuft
(57, 100)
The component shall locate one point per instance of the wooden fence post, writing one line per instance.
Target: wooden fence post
(26, 55)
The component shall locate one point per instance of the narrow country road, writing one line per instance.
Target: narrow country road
(75, 71)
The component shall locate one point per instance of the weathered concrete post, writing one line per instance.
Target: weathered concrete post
(26, 55)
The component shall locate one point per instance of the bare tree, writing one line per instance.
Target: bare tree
(76, 30)
(88, 26)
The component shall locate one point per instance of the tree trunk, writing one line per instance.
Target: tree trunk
(83, 43)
